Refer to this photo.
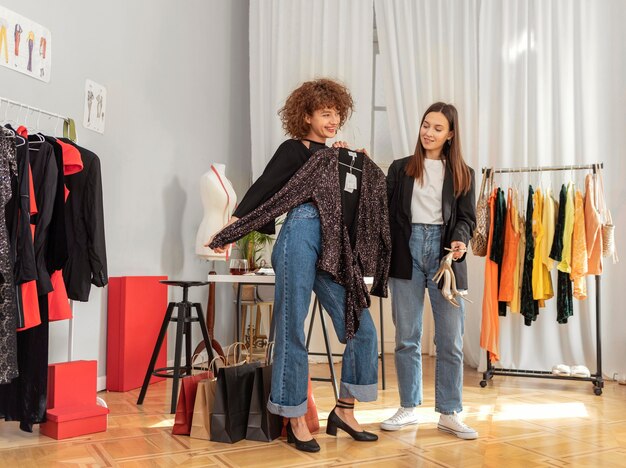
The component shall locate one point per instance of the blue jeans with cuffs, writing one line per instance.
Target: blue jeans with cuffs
(294, 259)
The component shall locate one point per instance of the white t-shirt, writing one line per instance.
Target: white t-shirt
(427, 198)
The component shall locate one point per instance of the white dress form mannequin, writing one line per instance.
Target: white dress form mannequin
(219, 200)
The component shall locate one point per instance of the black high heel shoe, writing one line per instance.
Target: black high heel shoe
(305, 446)
(335, 422)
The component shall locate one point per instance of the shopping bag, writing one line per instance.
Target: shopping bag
(187, 397)
(311, 417)
(205, 396)
(186, 401)
(263, 426)
(229, 418)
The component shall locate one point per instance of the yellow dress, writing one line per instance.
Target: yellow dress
(566, 258)
(579, 249)
(541, 280)
(548, 222)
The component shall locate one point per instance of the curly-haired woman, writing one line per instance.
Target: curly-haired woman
(312, 114)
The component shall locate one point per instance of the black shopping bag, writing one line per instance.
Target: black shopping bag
(229, 419)
(263, 426)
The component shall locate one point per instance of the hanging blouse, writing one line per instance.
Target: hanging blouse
(557, 242)
(568, 229)
(542, 281)
(579, 249)
(530, 307)
(548, 222)
(509, 260)
(593, 228)
(490, 325)
(8, 309)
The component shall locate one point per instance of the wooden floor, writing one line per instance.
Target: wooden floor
(521, 421)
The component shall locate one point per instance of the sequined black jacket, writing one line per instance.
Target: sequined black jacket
(318, 181)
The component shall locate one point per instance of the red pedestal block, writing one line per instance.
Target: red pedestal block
(72, 409)
(136, 307)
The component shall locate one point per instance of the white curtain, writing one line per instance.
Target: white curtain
(292, 41)
(536, 83)
(429, 53)
(538, 104)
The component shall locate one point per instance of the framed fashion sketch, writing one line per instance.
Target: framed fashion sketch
(95, 106)
(25, 46)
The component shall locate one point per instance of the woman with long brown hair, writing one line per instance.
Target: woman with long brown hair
(431, 212)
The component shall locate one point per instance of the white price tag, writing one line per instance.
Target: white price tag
(351, 184)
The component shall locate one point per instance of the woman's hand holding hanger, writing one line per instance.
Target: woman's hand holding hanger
(344, 144)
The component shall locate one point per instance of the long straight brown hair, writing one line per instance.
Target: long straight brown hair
(451, 152)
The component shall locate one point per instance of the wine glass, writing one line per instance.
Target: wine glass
(238, 266)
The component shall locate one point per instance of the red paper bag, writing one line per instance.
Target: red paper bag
(186, 401)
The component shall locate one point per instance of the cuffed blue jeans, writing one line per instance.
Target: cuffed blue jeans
(294, 259)
(408, 310)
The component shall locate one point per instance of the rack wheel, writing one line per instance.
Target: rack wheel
(597, 391)
(483, 383)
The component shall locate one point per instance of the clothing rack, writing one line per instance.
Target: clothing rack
(595, 378)
(11, 102)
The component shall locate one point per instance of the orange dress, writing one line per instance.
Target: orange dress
(579, 249)
(509, 259)
(593, 229)
(490, 326)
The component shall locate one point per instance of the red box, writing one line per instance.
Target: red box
(72, 408)
(136, 308)
(72, 384)
(73, 422)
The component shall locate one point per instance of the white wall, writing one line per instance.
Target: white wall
(176, 75)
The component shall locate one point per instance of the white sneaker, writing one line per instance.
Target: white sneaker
(403, 417)
(451, 424)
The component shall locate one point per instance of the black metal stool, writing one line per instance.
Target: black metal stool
(183, 321)
(317, 308)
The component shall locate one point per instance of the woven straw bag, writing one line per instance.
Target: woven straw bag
(608, 228)
(481, 233)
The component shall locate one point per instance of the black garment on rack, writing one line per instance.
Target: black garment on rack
(287, 160)
(556, 251)
(24, 399)
(529, 306)
(84, 221)
(57, 239)
(18, 222)
(497, 243)
(45, 175)
(564, 297)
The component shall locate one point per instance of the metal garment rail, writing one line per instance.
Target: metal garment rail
(595, 378)
(11, 102)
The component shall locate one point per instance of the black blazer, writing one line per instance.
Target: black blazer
(84, 221)
(459, 220)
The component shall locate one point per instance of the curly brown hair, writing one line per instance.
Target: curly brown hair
(312, 96)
